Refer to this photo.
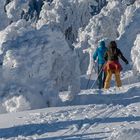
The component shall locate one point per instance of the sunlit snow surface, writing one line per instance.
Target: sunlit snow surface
(113, 114)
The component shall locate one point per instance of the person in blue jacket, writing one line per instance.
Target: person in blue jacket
(99, 55)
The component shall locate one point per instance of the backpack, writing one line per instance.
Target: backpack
(112, 53)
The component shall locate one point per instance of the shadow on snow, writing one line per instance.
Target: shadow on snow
(130, 97)
(39, 129)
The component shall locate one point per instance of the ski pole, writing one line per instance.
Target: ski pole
(96, 78)
(90, 76)
(128, 76)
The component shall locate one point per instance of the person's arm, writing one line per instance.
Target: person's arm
(95, 54)
(122, 57)
(106, 56)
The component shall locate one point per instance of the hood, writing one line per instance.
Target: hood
(102, 44)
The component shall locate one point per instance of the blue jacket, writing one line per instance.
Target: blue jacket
(100, 52)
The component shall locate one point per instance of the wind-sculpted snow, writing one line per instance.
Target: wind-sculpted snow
(37, 64)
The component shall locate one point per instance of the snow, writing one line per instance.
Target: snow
(33, 67)
(15, 8)
(100, 27)
(128, 134)
(68, 15)
(3, 17)
(129, 29)
(111, 115)
(135, 53)
(46, 49)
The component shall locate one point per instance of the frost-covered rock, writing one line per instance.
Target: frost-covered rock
(37, 64)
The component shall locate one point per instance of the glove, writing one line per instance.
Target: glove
(94, 62)
(126, 63)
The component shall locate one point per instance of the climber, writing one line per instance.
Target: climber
(99, 55)
(112, 65)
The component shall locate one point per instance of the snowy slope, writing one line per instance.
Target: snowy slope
(110, 115)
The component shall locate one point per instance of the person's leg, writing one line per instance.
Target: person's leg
(108, 79)
(117, 78)
(104, 77)
(100, 73)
